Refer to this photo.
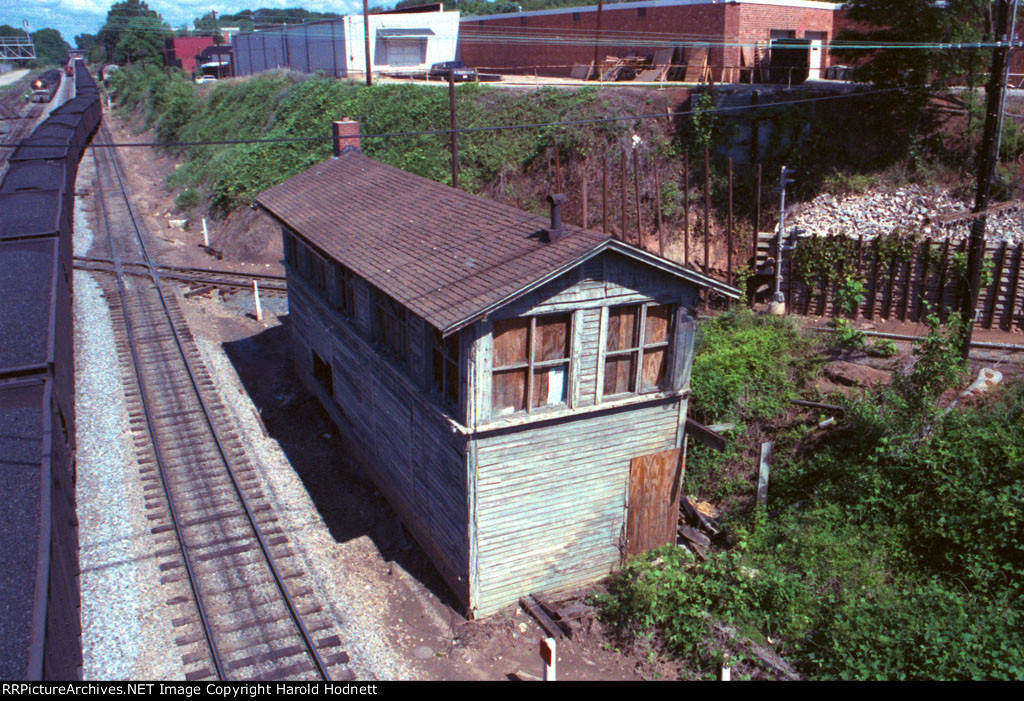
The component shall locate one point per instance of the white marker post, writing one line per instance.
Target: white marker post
(549, 653)
(206, 235)
(256, 296)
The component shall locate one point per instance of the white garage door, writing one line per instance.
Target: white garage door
(406, 52)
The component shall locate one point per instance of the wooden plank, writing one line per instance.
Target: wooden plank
(874, 282)
(654, 482)
(1012, 294)
(705, 435)
(921, 283)
(997, 276)
(762, 475)
(940, 301)
(541, 616)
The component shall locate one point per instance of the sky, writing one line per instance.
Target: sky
(71, 17)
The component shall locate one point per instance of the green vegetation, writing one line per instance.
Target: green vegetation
(892, 546)
(287, 105)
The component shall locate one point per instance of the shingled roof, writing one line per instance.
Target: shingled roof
(446, 255)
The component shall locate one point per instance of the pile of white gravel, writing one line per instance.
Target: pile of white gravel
(912, 207)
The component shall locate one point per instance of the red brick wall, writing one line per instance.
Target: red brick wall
(755, 23)
(716, 22)
(549, 58)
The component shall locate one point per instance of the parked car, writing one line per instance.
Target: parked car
(206, 79)
(462, 72)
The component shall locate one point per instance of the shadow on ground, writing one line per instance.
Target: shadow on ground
(346, 498)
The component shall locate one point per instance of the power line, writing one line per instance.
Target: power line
(495, 128)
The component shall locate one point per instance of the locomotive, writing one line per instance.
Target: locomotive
(44, 86)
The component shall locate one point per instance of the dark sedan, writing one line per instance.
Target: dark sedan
(441, 70)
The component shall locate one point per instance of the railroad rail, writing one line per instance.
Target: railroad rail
(242, 609)
(22, 128)
(196, 276)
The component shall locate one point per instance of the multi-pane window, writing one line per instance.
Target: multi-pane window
(531, 363)
(344, 290)
(445, 357)
(637, 348)
(389, 326)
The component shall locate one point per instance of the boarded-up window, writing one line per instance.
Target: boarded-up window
(323, 373)
(637, 348)
(389, 326)
(446, 358)
(531, 363)
(344, 290)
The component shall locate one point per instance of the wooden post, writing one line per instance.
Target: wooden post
(657, 195)
(454, 123)
(623, 184)
(728, 266)
(941, 292)
(686, 208)
(604, 193)
(366, 32)
(583, 188)
(922, 283)
(874, 283)
(1012, 301)
(755, 145)
(906, 286)
(256, 297)
(997, 277)
(558, 169)
(757, 212)
(636, 196)
(707, 217)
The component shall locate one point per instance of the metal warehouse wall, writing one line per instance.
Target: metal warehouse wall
(307, 48)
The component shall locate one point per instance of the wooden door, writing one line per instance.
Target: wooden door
(654, 483)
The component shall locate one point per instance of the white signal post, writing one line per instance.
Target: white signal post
(549, 653)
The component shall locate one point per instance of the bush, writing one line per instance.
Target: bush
(745, 366)
(188, 199)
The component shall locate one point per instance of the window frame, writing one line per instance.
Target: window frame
(531, 365)
(640, 347)
(439, 348)
(386, 305)
(344, 298)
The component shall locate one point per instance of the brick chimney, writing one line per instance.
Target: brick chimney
(346, 136)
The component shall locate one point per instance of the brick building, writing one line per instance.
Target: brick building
(739, 34)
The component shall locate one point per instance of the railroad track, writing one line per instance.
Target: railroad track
(207, 277)
(22, 128)
(242, 608)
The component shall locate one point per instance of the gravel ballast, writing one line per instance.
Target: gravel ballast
(126, 630)
(912, 208)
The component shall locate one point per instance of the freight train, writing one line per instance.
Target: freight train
(40, 629)
(45, 85)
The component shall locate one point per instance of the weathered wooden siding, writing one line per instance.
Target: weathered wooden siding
(399, 435)
(551, 499)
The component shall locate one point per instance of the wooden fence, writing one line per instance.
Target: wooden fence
(910, 287)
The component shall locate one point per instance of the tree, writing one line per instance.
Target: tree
(142, 41)
(50, 46)
(917, 21)
(118, 19)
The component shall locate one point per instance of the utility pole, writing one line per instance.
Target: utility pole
(366, 33)
(597, 40)
(986, 172)
(455, 126)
